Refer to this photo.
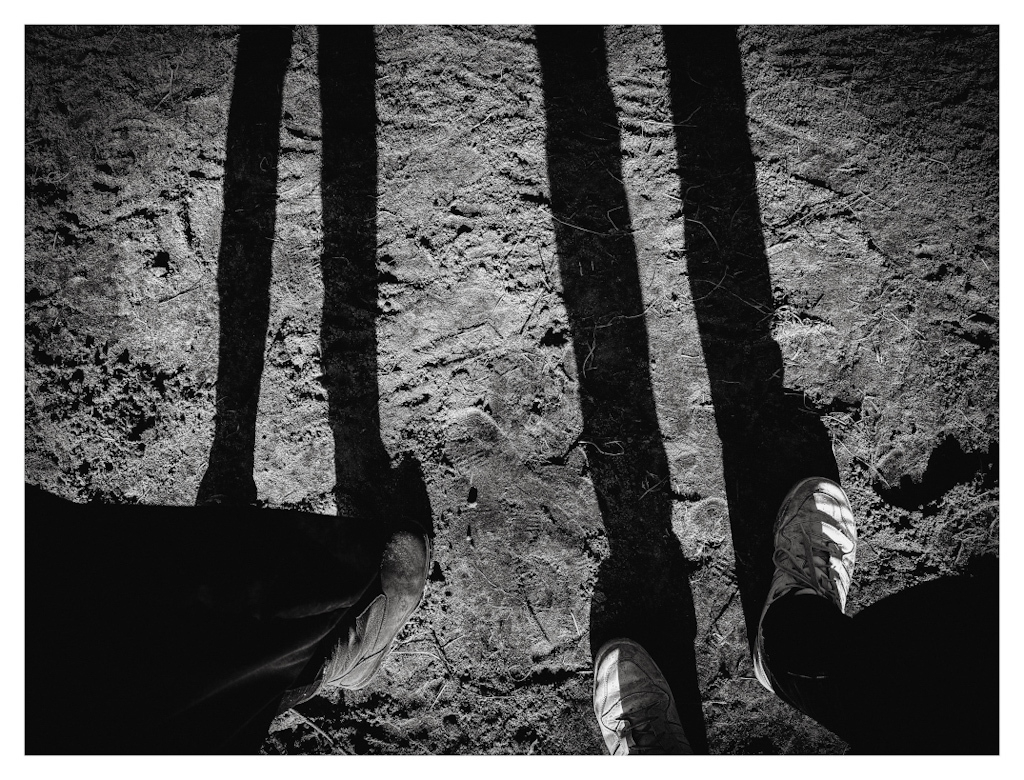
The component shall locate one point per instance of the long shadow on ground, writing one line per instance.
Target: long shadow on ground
(642, 589)
(348, 332)
(369, 493)
(365, 487)
(769, 440)
(913, 679)
(244, 260)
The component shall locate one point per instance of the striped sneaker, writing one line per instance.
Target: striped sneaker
(815, 549)
(633, 703)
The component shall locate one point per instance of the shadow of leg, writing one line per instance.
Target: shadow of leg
(244, 261)
(642, 590)
(769, 441)
(349, 265)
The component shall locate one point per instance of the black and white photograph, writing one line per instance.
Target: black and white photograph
(512, 389)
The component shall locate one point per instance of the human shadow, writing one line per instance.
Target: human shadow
(371, 497)
(642, 590)
(769, 439)
(244, 259)
(920, 669)
(348, 332)
(365, 485)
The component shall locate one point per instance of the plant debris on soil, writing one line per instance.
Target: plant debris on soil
(615, 290)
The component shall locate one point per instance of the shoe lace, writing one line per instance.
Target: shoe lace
(818, 549)
(640, 732)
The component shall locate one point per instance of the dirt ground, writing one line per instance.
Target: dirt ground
(613, 292)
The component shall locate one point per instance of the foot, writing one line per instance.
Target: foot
(815, 549)
(633, 703)
(383, 611)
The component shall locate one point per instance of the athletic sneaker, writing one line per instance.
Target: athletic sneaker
(633, 703)
(815, 548)
(384, 610)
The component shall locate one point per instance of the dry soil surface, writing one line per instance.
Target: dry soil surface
(612, 291)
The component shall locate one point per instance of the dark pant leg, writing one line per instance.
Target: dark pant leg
(917, 672)
(176, 629)
(807, 643)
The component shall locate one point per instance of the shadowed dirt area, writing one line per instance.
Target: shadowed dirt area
(603, 294)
